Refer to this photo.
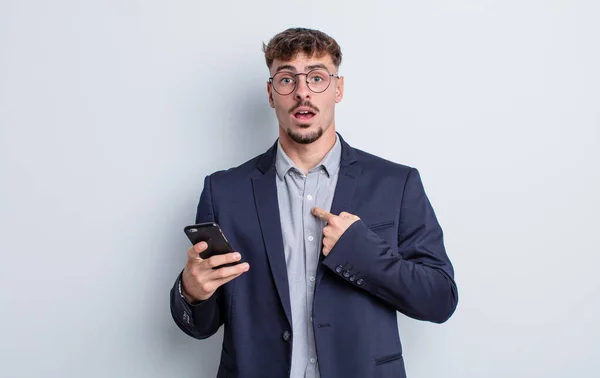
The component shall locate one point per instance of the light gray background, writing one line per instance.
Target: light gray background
(112, 112)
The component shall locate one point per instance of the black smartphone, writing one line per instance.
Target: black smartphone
(212, 234)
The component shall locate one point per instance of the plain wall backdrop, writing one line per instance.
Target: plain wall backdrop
(112, 112)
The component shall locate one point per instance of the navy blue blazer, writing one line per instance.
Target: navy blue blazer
(393, 259)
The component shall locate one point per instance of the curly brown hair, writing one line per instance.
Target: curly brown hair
(287, 44)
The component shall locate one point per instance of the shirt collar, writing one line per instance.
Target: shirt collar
(330, 162)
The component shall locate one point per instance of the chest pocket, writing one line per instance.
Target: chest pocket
(387, 231)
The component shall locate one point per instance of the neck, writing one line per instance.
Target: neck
(307, 156)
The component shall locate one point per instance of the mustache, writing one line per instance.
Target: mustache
(305, 104)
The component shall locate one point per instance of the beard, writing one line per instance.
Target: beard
(305, 138)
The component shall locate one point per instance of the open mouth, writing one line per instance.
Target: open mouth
(304, 115)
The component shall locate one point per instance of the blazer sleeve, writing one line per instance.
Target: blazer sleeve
(418, 281)
(202, 319)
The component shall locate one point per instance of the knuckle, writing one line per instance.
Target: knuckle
(222, 273)
(206, 287)
(192, 272)
(190, 268)
(211, 262)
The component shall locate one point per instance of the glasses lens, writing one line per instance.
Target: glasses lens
(318, 80)
(284, 83)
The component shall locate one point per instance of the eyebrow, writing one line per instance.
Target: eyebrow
(319, 65)
(308, 68)
(286, 67)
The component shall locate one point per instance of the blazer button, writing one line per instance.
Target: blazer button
(352, 278)
(338, 269)
(286, 335)
(346, 274)
(360, 282)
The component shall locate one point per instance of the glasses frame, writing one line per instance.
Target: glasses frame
(295, 75)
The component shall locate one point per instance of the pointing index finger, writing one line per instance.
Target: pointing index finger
(323, 214)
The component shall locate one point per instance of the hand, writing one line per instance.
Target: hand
(200, 280)
(336, 226)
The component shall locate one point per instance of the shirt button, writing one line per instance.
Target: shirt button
(310, 238)
(312, 279)
(286, 335)
(309, 197)
(312, 360)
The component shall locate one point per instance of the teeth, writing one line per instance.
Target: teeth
(303, 112)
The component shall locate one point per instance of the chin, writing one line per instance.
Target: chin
(304, 136)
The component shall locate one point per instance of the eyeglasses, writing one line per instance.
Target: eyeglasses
(317, 80)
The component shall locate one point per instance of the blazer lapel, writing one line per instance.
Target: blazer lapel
(267, 207)
(348, 179)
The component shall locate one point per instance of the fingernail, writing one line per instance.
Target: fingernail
(246, 267)
(236, 256)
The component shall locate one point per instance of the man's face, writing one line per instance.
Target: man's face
(303, 114)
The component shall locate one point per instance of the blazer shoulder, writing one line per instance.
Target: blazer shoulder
(373, 162)
(236, 174)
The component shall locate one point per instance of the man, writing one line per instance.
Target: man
(333, 241)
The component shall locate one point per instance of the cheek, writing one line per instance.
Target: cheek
(280, 110)
(282, 105)
(327, 114)
(277, 106)
(328, 105)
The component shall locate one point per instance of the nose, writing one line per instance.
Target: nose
(302, 91)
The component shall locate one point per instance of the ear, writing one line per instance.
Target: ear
(339, 89)
(270, 92)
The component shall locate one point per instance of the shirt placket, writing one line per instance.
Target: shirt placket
(312, 245)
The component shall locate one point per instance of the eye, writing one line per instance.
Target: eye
(318, 77)
(286, 80)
